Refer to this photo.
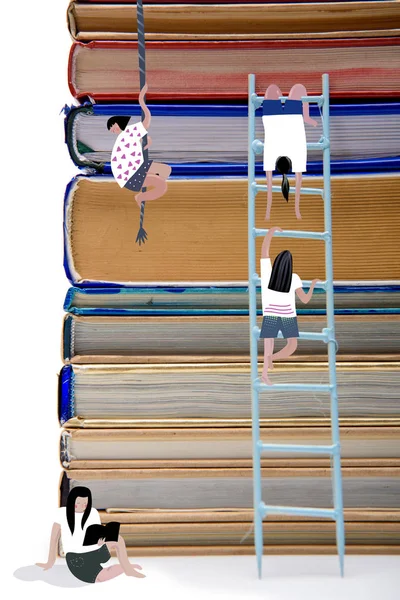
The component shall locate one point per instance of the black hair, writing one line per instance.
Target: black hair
(284, 165)
(281, 274)
(122, 122)
(81, 492)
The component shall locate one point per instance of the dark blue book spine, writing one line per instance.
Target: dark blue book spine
(66, 407)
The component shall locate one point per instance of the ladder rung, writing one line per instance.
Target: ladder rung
(309, 235)
(291, 387)
(256, 280)
(258, 100)
(329, 513)
(303, 335)
(330, 450)
(276, 188)
(258, 146)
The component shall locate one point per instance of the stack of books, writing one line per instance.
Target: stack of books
(155, 392)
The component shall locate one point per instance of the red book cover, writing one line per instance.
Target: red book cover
(358, 68)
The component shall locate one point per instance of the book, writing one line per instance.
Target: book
(184, 338)
(218, 488)
(359, 297)
(210, 395)
(196, 71)
(235, 21)
(160, 532)
(180, 447)
(198, 231)
(374, 126)
(109, 532)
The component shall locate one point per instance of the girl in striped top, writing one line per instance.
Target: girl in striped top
(278, 288)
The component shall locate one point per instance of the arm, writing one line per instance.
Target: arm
(149, 142)
(307, 297)
(267, 241)
(147, 115)
(55, 536)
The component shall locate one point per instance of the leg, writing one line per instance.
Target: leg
(269, 195)
(158, 188)
(161, 169)
(127, 567)
(268, 350)
(109, 573)
(287, 350)
(298, 178)
(296, 93)
(272, 92)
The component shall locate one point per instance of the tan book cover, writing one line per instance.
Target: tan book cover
(237, 21)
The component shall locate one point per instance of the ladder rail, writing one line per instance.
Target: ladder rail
(258, 535)
(330, 313)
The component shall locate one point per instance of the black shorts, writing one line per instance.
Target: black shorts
(87, 565)
(135, 183)
(271, 326)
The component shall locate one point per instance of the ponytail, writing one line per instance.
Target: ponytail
(284, 165)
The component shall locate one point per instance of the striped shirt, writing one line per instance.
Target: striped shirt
(277, 304)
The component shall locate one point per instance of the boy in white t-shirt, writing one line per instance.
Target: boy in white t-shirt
(278, 288)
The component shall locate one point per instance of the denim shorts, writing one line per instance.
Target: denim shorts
(271, 325)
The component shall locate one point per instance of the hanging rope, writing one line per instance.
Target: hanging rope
(142, 235)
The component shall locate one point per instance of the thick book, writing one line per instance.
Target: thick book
(213, 532)
(374, 127)
(219, 395)
(375, 487)
(184, 338)
(108, 71)
(235, 21)
(197, 232)
(363, 297)
(177, 447)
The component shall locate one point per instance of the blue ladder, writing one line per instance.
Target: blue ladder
(327, 335)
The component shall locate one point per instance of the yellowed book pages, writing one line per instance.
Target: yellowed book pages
(198, 231)
(216, 448)
(137, 515)
(238, 21)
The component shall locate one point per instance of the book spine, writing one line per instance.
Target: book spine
(68, 338)
(66, 407)
(65, 454)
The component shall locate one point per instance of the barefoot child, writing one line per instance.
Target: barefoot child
(128, 166)
(285, 145)
(85, 562)
(278, 287)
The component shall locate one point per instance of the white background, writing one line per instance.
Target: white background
(36, 168)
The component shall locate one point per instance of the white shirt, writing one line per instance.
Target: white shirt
(127, 154)
(74, 543)
(277, 304)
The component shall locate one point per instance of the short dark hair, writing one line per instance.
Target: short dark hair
(122, 122)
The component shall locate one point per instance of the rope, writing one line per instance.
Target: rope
(142, 235)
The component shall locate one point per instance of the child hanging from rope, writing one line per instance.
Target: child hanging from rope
(285, 145)
(128, 166)
(278, 287)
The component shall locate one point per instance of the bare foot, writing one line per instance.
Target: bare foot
(265, 379)
(133, 573)
(298, 215)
